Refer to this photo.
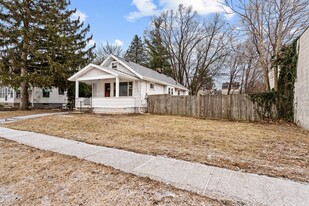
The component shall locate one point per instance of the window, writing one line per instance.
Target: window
(114, 65)
(18, 94)
(1, 93)
(60, 91)
(170, 91)
(151, 86)
(10, 94)
(46, 92)
(6, 93)
(125, 89)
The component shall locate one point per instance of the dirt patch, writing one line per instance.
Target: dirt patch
(18, 113)
(280, 150)
(33, 177)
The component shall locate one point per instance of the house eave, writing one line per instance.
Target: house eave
(164, 83)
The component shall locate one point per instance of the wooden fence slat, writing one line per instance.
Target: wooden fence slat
(231, 107)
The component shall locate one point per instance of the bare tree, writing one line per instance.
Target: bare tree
(211, 52)
(251, 72)
(196, 48)
(242, 66)
(271, 24)
(104, 50)
(234, 63)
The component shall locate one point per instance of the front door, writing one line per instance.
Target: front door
(107, 89)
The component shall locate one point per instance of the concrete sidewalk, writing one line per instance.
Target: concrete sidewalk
(206, 180)
(14, 119)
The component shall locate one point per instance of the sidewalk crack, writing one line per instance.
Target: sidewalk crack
(208, 180)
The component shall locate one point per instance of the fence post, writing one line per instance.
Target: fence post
(198, 105)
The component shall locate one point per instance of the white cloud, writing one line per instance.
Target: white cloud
(203, 7)
(145, 8)
(118, 42)
(79, 14)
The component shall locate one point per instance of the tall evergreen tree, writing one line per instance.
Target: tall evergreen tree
(158, 55)
(137, 52)
(40, 46)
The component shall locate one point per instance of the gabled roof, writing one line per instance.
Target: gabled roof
(87, 68)
(146, 73)
(125, 65)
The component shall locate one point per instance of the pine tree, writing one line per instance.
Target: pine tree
(157, 52)
(41, 46)
(137, 52)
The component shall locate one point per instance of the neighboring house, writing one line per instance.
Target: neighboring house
(235, 88)
(38, 97)
(301, 90)
(208, 88)
(121, 86)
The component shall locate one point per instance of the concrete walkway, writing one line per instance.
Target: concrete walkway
(206, 180)
(14, 119)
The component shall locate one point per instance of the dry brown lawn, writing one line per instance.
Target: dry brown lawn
(18, 113)
(280, 150)
(33, 177)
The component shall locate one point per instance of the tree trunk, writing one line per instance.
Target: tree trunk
(23, 85)
(265, 72)
(24, 101)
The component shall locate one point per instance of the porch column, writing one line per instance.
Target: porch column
(117, 87)
(76, 89)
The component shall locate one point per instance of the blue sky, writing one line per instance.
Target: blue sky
(117, 21)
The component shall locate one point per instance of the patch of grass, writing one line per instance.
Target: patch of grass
(280, 150)
(29, 176)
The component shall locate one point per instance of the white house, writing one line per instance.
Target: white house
(235, 88)
(301, 90)
(38, 97)
(121, 86)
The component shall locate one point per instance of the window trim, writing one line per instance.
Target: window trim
(128, 89)
(46, 91)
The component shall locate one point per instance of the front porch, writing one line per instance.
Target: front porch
(108, 104)
(110, 92)
(108, 95)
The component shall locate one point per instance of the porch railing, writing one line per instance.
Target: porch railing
(86, 102)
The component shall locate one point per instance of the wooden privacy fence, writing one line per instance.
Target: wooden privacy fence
(232, 107)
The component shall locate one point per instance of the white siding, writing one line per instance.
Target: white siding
(38, 97)
(100, 88)
(54, 96)
(302, 83)
(7, 101)
(158, 88)
(94, 73)
(113, 102)
(121, 69)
